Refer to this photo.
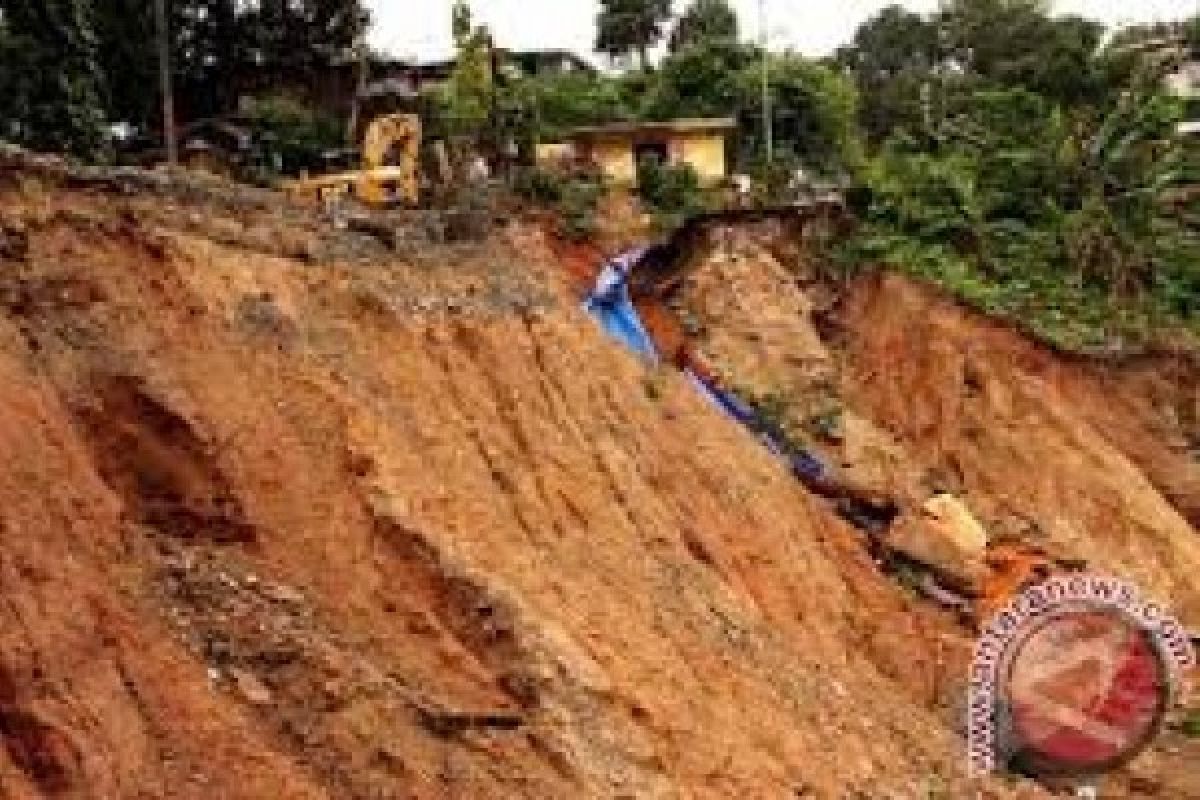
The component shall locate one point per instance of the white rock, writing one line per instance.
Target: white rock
(944, 535)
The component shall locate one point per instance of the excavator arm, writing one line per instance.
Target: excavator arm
(388, 137)
(391, 163)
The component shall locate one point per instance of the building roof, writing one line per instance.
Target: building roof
(534, 60)
(530, 62)
(713, 124)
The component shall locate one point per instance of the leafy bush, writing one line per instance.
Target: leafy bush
(299, 133)
(539, 186)
(1059, 221)
(671, 192)
(572, 198)
(577, 208)
(564, 101)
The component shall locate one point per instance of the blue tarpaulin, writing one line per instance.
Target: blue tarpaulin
(610, 305)
(727, 403)
(803, 463)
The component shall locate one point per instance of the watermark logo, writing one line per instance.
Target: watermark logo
(1073, 677)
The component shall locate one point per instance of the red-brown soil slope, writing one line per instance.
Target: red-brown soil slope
(909, 393)
(286, 514)
(287, 517)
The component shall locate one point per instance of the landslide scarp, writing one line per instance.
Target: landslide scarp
(287, 513)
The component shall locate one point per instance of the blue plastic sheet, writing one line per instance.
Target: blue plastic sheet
(804, 465)
(610, 305)
(727, 403)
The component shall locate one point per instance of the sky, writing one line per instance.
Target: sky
(421, 29)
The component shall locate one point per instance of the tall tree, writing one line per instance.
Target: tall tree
(703, 80)
(892, 58)
(705, 20)
(813, 113)
(912, 69)
(1017, 44)
(52, 73)
(220, 48)
(631, 26)
(298, 38)
(468, 94)
(126, 31)
(211, 42)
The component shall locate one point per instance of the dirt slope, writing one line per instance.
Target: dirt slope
(1087, 457)
(279, 522)
(1096, 460)
(286, 514)
(905, 391)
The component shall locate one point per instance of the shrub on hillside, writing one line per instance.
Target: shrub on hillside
(539, 186)
(670, 192)
(572, 197)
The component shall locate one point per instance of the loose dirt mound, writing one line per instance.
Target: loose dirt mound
(906, 391)
(1093, 459)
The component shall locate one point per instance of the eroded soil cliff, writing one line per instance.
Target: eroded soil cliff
(286, 513)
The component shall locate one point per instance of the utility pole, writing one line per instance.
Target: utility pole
(362, 54)
(164, 79)
(768, 121)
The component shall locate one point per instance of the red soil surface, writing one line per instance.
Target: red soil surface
(279, 522)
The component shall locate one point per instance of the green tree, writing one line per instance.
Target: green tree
(1027, 168)
(814, 108)
(1016, 43)
(705, 20)
(815, 114)
(1063, 218)
(574, 99)
(467, 97)
(126, 32)
(912, 70)
(892, 58)
(219, 47)
(704, 80)
(210, 44)
(52, 75)
(631, 26)
(299, 38)
(1191, 36)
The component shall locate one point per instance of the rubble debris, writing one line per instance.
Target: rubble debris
(946, 536)
(250, 688)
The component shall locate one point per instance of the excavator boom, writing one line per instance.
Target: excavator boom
(391, 155)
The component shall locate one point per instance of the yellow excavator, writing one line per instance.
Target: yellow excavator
(390, 173)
